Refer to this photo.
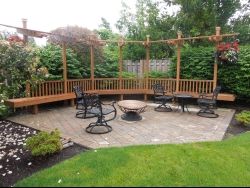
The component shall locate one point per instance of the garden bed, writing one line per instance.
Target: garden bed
(16, 162)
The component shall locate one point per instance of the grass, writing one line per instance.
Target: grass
(225, 163)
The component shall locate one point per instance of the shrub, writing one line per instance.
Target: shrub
(51, 58)
(157, 74)
(4, 110)
(128, 75)
(18, 63)
(197, 63)
(243, 117)
(44, 143)
(235, 78)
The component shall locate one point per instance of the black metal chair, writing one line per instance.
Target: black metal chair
(160, 95)
(79, 94)
(207, 102)
(83, 102)
(104, 114)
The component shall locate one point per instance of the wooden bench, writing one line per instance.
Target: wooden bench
(35, 101)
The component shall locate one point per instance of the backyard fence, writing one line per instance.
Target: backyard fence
(138, 67)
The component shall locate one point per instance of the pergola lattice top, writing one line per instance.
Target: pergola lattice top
(92, 41)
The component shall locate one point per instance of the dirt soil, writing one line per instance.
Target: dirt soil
(16, 162)
(235, 128)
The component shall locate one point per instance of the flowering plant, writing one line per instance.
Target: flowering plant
(228, 52)
(232, 56)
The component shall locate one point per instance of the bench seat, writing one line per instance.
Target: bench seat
(35, 101)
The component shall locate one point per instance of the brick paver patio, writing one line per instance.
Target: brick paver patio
(154, 128)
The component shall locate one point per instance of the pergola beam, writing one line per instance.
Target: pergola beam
(39, 34)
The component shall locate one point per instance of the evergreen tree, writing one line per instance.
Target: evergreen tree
(51, 58)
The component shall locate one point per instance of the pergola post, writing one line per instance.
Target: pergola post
(92, 63)
(25, 37)
(120, 44)
(178, 62)
(64, 60)
(147, 44)
(27, 89)
(25, 40)
(218, 29)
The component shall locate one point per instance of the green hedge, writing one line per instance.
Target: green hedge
(236, 78)
(51, 58)
(197, 63)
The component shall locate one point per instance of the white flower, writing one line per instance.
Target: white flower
(59, 181)
(9, 172)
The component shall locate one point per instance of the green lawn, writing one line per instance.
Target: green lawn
(225, 163)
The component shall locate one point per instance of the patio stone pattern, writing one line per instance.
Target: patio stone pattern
(154, 128)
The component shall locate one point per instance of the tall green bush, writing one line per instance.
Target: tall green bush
(18, 63)
(157, 74)
(235, 78)
(51, 58)
(106, 70)
(197, 63)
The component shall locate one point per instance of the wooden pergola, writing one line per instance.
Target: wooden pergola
(120, 85)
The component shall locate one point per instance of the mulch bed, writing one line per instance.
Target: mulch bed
(16, 162)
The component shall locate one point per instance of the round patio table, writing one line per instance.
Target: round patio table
(182, 98)
(132, 109)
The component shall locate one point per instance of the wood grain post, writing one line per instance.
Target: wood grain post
(147, 44)
(120, 44)
(64, 59)
(27, 89)
(178, 62)
(25, 37)
(72, 102)
(92, 63)
(34, 109)
(218, 29)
